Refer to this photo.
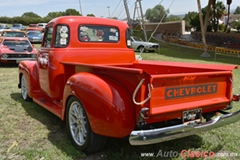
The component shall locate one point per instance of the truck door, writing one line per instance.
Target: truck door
(44, 61)
(51, 72)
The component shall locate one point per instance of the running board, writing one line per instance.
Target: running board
(53, 106)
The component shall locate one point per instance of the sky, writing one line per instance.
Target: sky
(100, 8)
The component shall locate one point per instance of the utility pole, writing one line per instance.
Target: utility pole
(108, 11)
(128, 14)
(80, 6)
(142, 18)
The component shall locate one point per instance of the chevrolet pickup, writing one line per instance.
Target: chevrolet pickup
(86, 73)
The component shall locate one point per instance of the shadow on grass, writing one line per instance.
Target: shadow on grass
(116, 149)
(120, 149)
(11, 65)
(57, 135)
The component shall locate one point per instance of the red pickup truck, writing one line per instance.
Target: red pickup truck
(86, 73)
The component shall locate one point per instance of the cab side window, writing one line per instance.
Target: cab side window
(48, 37)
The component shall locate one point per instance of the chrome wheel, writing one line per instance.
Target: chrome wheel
(141, 49)
(79, 129)
(24, 89)
(77, 123)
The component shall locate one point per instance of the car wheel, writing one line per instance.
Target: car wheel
(79, 129)
(141, 49)
(24, 89)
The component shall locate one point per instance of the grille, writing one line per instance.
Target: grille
(21, 56)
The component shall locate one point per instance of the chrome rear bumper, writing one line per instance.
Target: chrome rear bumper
(144, 137)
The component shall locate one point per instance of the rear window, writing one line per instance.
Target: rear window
(97, 33)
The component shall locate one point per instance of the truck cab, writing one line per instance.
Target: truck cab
(86, 73)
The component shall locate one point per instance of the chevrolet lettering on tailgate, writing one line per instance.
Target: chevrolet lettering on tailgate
(196, 90)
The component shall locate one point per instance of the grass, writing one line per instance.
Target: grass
(28, 131)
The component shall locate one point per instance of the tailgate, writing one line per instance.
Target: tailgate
(178, 92)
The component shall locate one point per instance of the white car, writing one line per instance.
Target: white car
(139, 45)
(42, 25)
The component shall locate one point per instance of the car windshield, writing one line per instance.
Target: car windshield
(34, 33)
(137, 39)
(16, 25)
(14, 34)
(10, 43)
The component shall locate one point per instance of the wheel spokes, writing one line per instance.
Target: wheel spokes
(77, 123)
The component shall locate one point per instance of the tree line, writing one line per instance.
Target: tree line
(33, 18)
(156, 14)
(214, 12)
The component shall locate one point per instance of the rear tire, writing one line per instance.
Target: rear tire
(79, 129)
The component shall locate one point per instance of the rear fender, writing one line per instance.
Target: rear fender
(107, 102)
(29, 70)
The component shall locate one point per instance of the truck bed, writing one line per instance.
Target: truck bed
(175, 86)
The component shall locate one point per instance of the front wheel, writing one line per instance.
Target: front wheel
(24, 89)
(79, 128)
(141, 49)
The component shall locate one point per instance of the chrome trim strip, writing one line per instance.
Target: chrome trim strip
(13, 59)
(144, 137)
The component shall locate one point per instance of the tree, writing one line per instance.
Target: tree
(189, 19)
(55, 14)
(72, 12)
(30, 15)
(237, 10)
(219, 10)
(114, 18)
(91, 15)
(172, 18)
(236, 25)
(156, 14)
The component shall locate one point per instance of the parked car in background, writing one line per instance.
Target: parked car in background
(139, 45)
(3, 27)
(16, 49)
(17, 26)
(34, 36)
(42, 25)
(34, 27)
(13, 33)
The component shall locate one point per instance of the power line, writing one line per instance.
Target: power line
(116, 7)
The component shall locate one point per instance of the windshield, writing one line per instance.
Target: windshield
(13, 34)
(137, 39)
(11, 43)
(16, 25)
(34, 33)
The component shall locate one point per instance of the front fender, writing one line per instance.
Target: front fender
(107, 102)
(29, 70)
